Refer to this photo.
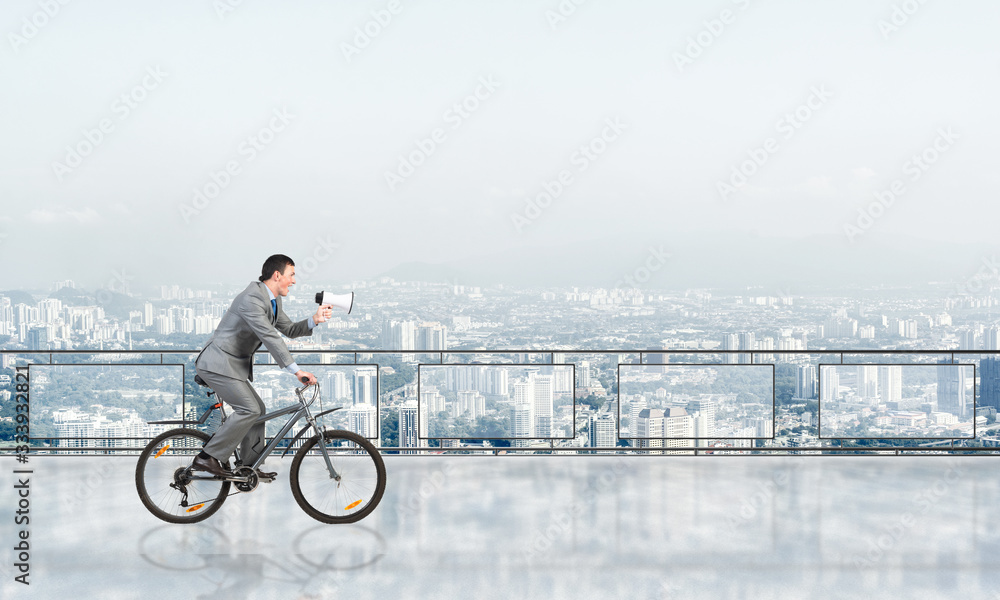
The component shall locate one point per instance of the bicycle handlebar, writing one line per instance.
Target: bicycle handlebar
(299, 390)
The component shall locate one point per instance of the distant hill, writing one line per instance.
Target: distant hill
(114, 304)
(19, 297)
(73, 297)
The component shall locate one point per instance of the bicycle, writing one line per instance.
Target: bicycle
(336, 476)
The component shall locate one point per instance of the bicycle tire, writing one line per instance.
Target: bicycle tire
(153, 483)
(362, 481)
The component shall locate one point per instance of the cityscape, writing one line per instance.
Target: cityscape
(535, 368)
(896, 401)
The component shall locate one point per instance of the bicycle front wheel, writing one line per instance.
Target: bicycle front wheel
(351, 491)
(160, 478)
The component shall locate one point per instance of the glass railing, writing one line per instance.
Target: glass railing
(532, 401)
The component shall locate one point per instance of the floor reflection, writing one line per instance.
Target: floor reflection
(238, 568)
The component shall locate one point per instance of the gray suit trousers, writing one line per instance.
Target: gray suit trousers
(239, 426)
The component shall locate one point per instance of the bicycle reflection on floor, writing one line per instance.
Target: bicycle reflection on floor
(318, 563)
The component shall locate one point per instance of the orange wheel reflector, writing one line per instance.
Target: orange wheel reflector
(352, 505)
(195, 507)
(162, 450)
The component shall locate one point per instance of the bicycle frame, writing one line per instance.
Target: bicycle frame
(297, 411)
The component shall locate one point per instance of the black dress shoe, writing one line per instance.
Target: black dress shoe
(266, 475)
(212, 465)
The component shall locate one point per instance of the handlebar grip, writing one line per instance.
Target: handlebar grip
(304, 379)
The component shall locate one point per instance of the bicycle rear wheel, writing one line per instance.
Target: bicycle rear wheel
(361, 478)
(160, 481)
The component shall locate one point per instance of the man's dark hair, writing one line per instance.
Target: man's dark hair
(275, 262)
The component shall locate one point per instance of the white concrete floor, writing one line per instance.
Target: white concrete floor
(534, 527)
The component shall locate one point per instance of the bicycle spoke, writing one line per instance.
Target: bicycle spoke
(165, 458)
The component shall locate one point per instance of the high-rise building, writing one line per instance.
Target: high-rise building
(989, 382)
(542, 399)
(705, 407)
(523, 415)
(968, 339)
(635, 406)
(497, 381)
(664, 428)
(840, 327)
(432, 400)
(562, 380)
(49, 310)
(991, 339)
(185, 320)
(6, 316)
(601, 431)
(951, 390)
(762, 428)
(868, 381)
(408, 437)
(470, 403)
(365, 385)
(38, 338)
(147, 314)
(649, 427)
(205, 324)
(398, 335)
(748, 342)
(677, 424)
(583, 373)
(730, 341)
(766, 343)
(462, 377)
(829, 383)
(432, 336)
(362, 420)
(890, 383)
(164, 325)
(521, 420)
(336, 385)
(805, 382)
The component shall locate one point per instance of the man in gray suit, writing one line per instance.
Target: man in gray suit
(226, 362)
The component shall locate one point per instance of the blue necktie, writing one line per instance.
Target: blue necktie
(274, 310)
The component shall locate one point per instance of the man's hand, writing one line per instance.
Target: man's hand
(323, 313)
(309, 378)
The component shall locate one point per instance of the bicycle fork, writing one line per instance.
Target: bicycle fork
(322, 448)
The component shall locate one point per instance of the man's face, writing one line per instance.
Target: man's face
(286, 279)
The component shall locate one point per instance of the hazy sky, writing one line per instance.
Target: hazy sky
(696, 89)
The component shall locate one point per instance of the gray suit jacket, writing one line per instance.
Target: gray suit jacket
(243, 328)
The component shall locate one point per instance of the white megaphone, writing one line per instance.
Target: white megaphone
(344, 301)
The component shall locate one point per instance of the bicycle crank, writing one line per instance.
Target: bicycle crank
(245, 478)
